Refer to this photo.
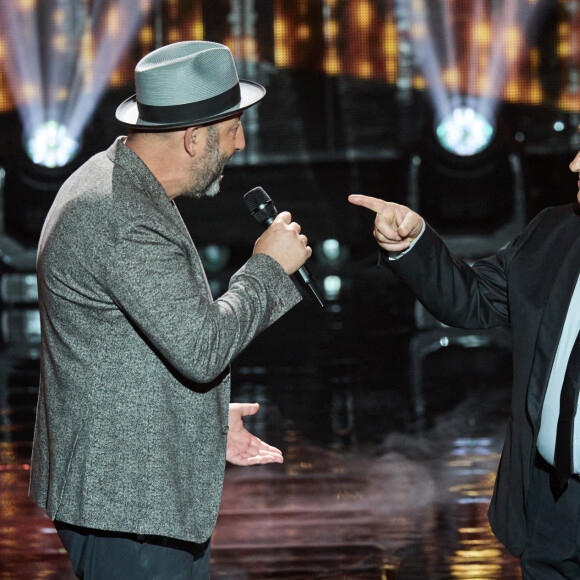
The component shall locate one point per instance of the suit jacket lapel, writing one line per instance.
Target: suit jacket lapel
(551, 323)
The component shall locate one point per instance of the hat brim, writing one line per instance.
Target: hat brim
(128, 113)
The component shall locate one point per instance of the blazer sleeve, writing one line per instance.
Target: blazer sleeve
(157, 280)
(456, 293)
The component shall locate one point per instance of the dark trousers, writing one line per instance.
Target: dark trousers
(101, 555)
(553, 529)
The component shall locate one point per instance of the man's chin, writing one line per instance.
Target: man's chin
(213, 189)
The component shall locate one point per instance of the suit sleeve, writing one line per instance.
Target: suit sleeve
(161, 287)
(456, 293)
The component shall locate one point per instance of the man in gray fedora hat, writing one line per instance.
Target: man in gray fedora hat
(134, 422)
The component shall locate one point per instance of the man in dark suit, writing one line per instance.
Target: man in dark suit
(134, 422)
(531, 285)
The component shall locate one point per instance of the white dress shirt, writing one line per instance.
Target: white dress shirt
(551, 408)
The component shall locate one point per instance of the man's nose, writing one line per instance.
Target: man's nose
(575, 165)
(240, 139)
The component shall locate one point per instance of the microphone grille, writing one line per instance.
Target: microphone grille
(255, 198)
(261, 206)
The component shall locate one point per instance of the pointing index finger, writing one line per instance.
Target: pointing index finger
(373, 203)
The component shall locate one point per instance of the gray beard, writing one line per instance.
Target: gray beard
(208, 181)
(213, 188)
(209, 172)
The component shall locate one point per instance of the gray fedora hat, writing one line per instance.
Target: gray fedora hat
(185, 84)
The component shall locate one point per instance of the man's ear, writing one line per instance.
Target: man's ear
(192, 140)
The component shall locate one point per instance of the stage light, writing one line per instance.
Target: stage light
(331, 249)
(477, 60)
(59, 59)
(464, 131)
(52, 145)
(19, 288)
(214, 257)
(332, 286)
(19, 325)
(332, 253)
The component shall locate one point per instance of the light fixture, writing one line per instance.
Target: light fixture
(59, 57)
(214, 257)
(332, 253)
(20, 325)
(51, 145)
(464, 131)
(19, 288)
(332, 286)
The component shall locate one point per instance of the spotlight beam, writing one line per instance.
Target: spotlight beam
(450, 46)
(116, 25)
(20, 27)
(425, 54)
(63, 54)
(495, 51)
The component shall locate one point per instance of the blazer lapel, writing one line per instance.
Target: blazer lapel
(551, 323)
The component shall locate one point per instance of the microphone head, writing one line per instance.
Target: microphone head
(261, 206)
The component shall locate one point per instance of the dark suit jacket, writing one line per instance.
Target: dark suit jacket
(132, 413)
(527, 286)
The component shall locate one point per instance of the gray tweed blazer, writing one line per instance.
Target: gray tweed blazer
(132, 412)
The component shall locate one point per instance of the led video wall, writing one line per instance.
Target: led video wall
(537, 41)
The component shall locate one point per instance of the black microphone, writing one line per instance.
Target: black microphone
(264, 211)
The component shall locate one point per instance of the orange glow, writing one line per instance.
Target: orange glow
(87, 47)
(513, 41)
(563, 49)
(174, 35)
(363, 14)
(482, 84)
(197, 30)
(391, 71)
(282, 56)
(568, 102)
(365, 69)
(512, 91)
(27, 5)
(369, 44)
(116, 79)
(536, 93)
(303, 32)
(419, 82)
(113, 21)
(563, 29)
(452, 77)
(250, 49)
(482, 33)
(280, 28)
(59, 42)
(332, 63)
(173, 9)
(146, 35)
(391, 46)
(331, 30)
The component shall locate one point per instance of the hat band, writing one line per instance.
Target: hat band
(190, 111)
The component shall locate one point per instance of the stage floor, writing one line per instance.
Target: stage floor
(388, 471)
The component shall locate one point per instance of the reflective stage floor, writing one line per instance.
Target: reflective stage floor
(391, 437)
